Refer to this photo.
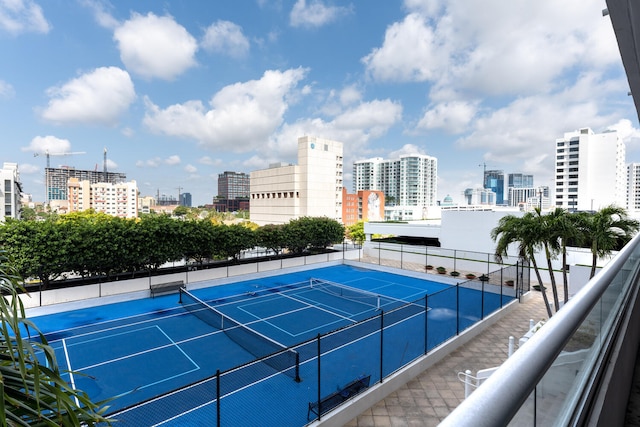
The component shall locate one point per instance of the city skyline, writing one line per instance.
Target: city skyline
(179, 92)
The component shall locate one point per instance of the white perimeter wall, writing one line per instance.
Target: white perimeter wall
(470, 232)
(57, 300)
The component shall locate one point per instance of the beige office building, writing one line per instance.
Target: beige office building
(113, 199)
(313, 187)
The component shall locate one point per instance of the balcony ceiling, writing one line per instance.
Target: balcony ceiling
(625, 18)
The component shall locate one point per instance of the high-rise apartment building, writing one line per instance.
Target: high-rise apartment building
(411, 180)
(494, 181)
(56, 180)
(633, 189)
(113, 199)
(313, 187)
(11, 191)
(590, 171)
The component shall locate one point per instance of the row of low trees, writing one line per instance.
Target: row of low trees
(603, 231)
(90, 244)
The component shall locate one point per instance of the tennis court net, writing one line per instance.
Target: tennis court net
(347, 292)
(269, 351)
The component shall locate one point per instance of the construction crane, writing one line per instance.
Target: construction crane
(46, 153)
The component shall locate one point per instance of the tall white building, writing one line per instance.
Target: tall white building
(313, 187)
(590, 171)
(10, 191)
(633, 189)
(411, 180)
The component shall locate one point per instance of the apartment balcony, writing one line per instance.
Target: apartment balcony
(578, 368)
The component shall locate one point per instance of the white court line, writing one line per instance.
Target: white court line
(123, 326)
(178, 309)
(172, 343)
(308, 303)
(71, 379)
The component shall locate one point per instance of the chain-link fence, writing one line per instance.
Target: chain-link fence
(333, 367)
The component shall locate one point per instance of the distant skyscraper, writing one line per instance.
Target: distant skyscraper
(590, 170)
(185, 199)
(494, 181)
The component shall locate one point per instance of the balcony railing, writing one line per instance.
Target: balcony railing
(577, 368)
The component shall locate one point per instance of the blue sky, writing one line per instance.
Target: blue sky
(180, 91)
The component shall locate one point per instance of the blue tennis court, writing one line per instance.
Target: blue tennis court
(260, 351)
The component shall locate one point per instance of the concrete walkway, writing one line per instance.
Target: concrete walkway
(430, 397)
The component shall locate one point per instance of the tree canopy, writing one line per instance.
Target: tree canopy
(603, 232)
(95, 244)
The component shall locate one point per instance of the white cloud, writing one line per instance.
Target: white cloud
(6, 90)
(629, 134)
(29, 169)
(241, 116)
(111, 165)
(355, 127)
(227, 38)
(523, 132)
(395, 62)
(22, 16)
(407, 149)
(350, 95)
(190, 169)
(206, 160)
(48, 144)
(100, 14)
(172, 160)
(625, 129)
(493, 48)
(155, 47)
(452, 117)
(425, 7)
(151, 163)
(315, 14)
(100, 96)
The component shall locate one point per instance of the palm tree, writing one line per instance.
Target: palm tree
(550, 243)
(607, 230)
(525, 231)
(564, 229)
(33, 390)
